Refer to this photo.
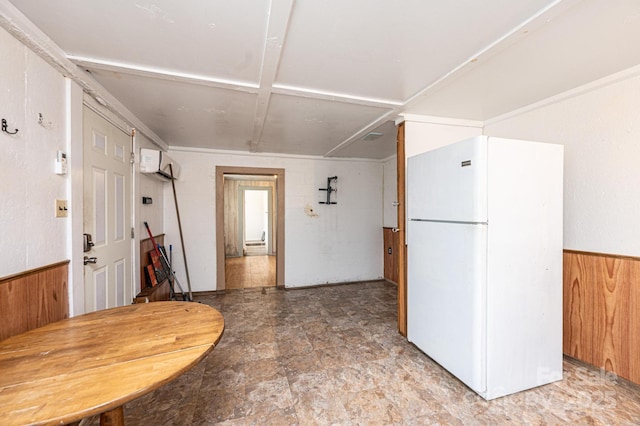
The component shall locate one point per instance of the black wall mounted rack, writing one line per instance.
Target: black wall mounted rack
(330, 189)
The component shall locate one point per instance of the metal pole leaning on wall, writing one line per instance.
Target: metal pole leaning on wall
(184, 251)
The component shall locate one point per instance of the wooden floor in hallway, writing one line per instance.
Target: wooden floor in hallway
(250, 272)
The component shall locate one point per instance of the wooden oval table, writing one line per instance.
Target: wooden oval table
(94, 363)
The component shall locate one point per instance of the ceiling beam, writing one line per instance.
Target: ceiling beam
(302, 92)
(279, 15)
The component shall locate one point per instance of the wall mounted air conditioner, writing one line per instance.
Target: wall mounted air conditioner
(156, 163)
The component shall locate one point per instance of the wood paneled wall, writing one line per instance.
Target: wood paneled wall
(146, 246)
(391, 248)
(402, 246)
(160, 292)
(601, 324)
(232, 216)
(34, 298)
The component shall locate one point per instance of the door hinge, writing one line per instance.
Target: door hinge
(133, 158)
(133, 232)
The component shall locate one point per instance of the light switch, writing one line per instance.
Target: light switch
(61, 208)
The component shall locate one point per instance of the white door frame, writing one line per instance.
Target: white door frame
(278, 211)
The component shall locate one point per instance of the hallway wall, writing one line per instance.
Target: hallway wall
(336, 243)
(599, 126)
(32, 236)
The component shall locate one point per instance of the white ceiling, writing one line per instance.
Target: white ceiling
(315, 77)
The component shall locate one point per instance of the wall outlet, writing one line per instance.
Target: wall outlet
(61, 208)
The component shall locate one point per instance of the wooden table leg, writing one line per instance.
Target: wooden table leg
(114, 417)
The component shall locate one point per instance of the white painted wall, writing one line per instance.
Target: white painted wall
(148, 186)
(343, 243)
(75, 242)
(255, 214)
(599, 126)
(153, 214)
(423, 136)
(31, 235)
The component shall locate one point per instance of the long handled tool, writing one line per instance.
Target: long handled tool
(184, 250)
(171, 273)
(172, 276)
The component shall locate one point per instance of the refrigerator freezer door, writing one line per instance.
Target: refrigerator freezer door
(449, 183)
(446, 297)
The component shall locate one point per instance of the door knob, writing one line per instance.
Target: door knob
(90, 260)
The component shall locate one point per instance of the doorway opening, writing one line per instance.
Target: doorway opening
(256, 208)
(248, 223)
(249, 227)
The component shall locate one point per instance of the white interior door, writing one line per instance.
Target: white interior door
(107, 213)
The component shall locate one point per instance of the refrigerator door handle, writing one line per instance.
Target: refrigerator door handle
(455, 222)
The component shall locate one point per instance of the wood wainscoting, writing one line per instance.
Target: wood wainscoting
(34, 298)
(161, 291)
(601, 318)
(146, 245)
(391, 248)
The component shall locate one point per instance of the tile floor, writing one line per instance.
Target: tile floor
(332, 355)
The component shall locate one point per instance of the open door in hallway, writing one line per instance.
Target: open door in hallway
(250, 248)
(249, 227)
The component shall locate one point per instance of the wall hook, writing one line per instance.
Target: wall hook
(41, 121)
(4, 128)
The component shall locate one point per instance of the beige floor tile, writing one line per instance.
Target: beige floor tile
(333, 355)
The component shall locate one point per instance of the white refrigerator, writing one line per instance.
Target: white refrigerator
(484, 247)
